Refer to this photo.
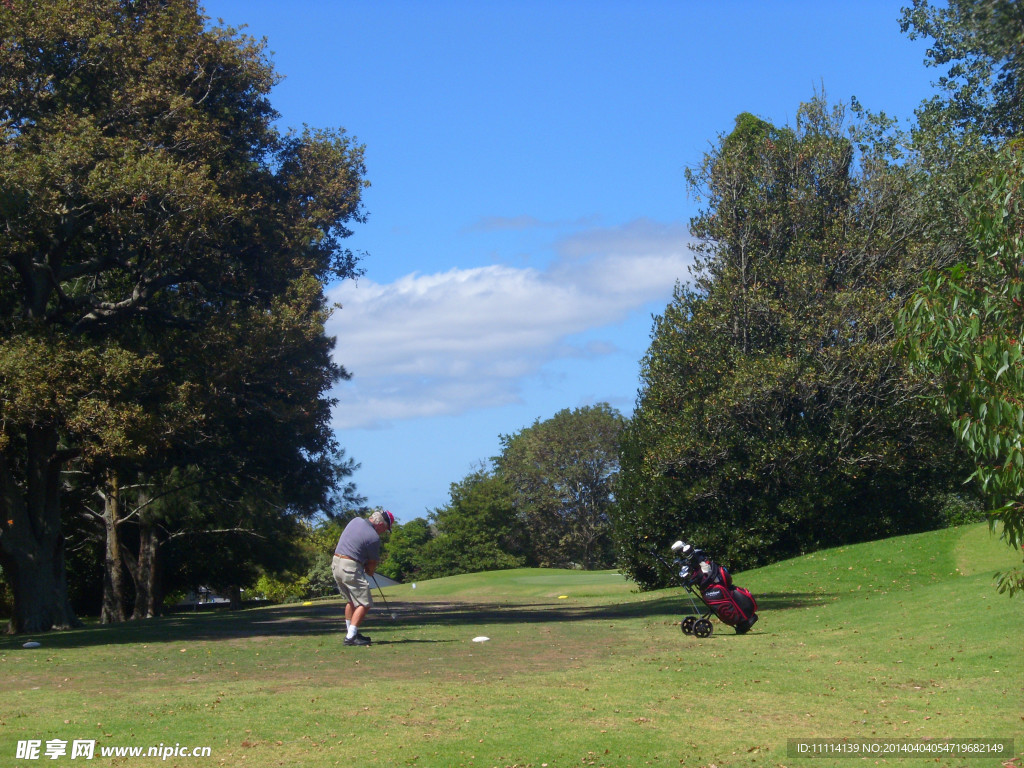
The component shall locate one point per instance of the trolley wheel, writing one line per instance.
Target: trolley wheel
(687, 625)
(703, 628)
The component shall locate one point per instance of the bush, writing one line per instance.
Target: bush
(474, 531)
(320, 578)
(404, 554)
(959, 509)
(279, 591)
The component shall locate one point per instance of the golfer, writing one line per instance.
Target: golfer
(355, 558)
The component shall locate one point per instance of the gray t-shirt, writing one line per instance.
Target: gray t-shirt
(359, 541)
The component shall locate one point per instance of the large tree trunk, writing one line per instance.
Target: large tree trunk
(31, 543)
(145, 570)
(113, 571)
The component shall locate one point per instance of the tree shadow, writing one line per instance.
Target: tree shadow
(474, 614)
(327, 618)
(222, 624)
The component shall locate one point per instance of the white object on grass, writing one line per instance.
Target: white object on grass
(414, 585)
(481, 639)
(31, 644)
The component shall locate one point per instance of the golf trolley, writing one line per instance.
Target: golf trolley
(711, 584)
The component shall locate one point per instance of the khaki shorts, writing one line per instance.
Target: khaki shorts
(351, 580)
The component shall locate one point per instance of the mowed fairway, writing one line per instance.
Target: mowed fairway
(904, 638)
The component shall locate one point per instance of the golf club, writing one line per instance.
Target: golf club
(386, 606)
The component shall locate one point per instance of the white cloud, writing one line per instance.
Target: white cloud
(446, 343)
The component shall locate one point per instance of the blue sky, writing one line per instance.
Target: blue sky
(528, 209)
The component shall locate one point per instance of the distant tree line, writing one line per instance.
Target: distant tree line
(546, 501)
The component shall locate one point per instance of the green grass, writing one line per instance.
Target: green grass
(522, 583)
(905, 638)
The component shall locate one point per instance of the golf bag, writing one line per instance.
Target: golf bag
(712, 584)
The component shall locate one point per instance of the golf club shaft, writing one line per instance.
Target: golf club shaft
(386, 606)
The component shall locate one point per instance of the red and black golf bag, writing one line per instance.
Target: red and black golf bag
(733, 605)
(712, 583)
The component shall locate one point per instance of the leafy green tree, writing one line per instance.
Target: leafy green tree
(960, 138)
(978, 104)
(775, 416)
(562, 473)
(978, 41)
(476, 530)
(52, 386)
(405, 550)
(965, 331)
(148, 199)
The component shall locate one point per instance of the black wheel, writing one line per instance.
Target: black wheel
(703, 628)
(687, 625)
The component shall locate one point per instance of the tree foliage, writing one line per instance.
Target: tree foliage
(475, 531)
(166, 245)
(978, 41)
(964, 138)
(406, 550)
(965, 330)
(775, 416)
(562, 474)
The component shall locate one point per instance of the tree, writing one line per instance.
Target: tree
(476, 530)
(406, 549)
(562, 475)
(51, 387)
(964, 330)
(147, 199)
(978, 105)
(774, 415)
(961, 137)
(982, 91)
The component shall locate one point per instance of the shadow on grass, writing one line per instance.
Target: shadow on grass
(327, 618)
(407, 640)
(675, 606)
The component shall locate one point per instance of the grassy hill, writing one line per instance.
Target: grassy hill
(904, 638)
